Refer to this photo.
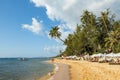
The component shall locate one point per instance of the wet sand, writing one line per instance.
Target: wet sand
(61, 72)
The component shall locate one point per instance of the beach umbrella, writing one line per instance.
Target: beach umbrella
(94, 55)
(99, 55)
(110, 55)
(117, 55)
(74, 56)
(104, 55)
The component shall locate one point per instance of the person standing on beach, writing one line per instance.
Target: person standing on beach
(52, 60)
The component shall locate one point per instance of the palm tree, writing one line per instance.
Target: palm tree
(104, 27)
(55, 33)
(113, 40)
(104, 17)
(106, 21)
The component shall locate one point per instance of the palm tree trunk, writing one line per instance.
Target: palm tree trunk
(62, 40)
(105, 24)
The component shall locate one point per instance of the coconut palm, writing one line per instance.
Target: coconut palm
(55, 33)
(113, 40)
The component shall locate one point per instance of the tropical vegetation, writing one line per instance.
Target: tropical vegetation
(95, 34)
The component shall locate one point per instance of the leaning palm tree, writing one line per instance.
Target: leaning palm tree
(55, 33)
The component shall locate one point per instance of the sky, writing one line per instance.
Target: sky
(25, 24)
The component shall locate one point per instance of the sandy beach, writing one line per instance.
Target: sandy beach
(84, 70)
(60, 72)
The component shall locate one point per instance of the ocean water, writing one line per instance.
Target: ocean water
(31, 69)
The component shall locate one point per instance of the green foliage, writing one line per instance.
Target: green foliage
(93, 35)
(55, 33)
(96, 53)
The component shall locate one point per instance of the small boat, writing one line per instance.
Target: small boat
(22, 59)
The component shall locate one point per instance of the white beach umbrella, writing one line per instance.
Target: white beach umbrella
(99, 55)
(74, 56)
(117, 55)
(110, 55)
(94, 55)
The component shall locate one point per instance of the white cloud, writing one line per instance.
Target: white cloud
(69, 11)
(98, 6)
(64, 30)
(53, 50)
(46, 48)
(35, 27)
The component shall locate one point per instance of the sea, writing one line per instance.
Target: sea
(29, 69)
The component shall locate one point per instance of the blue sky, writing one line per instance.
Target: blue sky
(24, 24)
(16, 41)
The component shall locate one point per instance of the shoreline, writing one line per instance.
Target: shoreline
(85, 70)
(49, 74)
(59, 72)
